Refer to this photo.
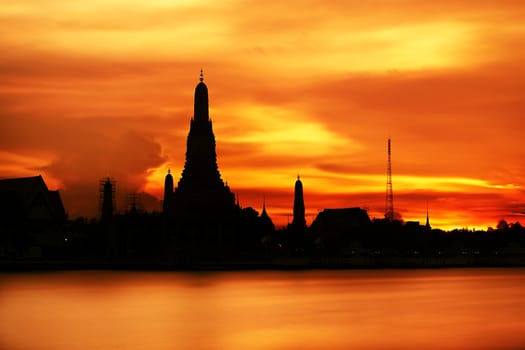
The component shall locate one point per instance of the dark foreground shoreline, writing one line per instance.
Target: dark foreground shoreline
(274, 264)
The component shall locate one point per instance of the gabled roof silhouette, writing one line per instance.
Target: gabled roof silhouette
(28, 198)
(340, 220)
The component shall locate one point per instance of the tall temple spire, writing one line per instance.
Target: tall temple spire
(200, 185)
(299, 220)
(202, 213)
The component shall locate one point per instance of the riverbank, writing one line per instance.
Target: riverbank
(280, 263)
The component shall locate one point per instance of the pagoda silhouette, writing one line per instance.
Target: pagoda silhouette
(202, 207)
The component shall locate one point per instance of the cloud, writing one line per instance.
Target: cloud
(81, 151)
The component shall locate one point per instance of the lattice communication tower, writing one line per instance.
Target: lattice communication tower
(389, 202)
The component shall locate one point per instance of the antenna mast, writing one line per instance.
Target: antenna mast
(389, 202)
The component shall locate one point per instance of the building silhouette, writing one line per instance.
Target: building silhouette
(167, 203)
(265, 221)
(31, 218)
(336, 228)
(29, 199)
(107, 201)
(202, 207)
(295, 235)
(200, 186)
(299, 221)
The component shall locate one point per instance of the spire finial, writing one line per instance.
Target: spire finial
(169, 170)
(202, 76)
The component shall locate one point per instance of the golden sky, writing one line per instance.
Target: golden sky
(99, 88)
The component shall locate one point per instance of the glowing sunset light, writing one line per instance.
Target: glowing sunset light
(438, 45)
(282, 130)
(105, 88)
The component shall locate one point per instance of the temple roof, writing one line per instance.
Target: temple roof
(29, 198)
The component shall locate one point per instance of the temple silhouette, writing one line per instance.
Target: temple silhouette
(201, 210)
(200, 188)
(299, 220)
(32, 218)
(201, 226)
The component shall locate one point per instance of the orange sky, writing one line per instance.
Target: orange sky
(105, 87)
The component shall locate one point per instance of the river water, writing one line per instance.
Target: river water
(357, 309)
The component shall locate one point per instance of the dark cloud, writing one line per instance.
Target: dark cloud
(81, 151)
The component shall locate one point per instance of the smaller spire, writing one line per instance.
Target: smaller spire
(202, 76)
(428, 219)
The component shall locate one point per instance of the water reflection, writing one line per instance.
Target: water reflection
(380, 309)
